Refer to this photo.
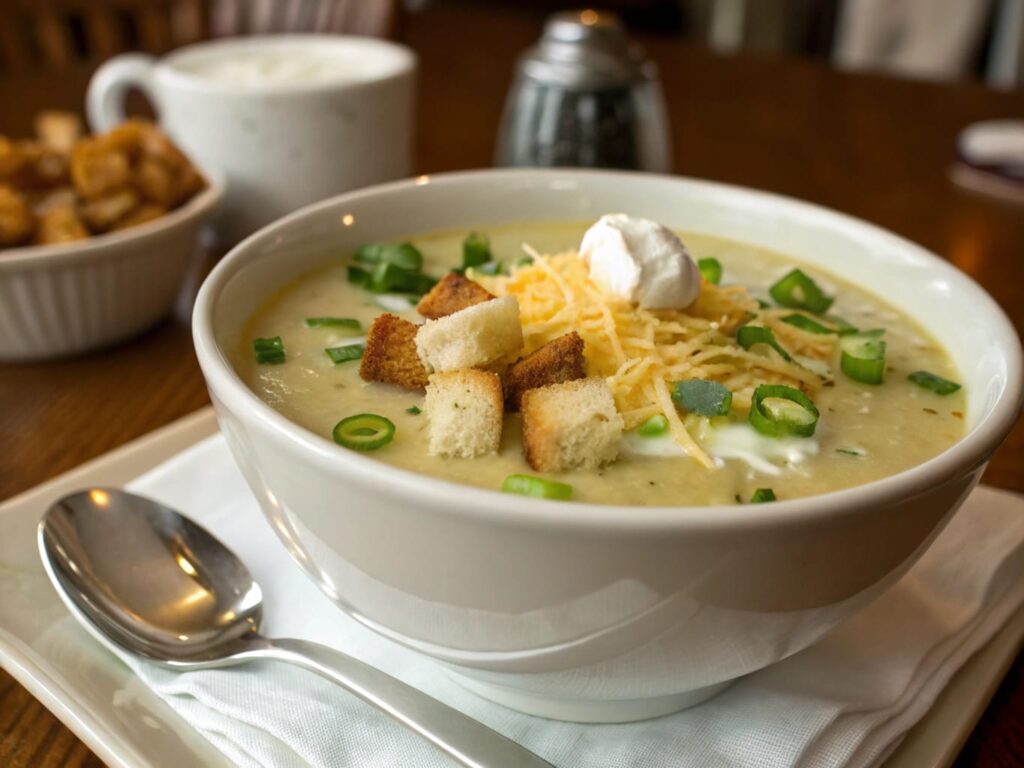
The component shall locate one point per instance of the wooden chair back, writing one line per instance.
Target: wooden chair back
(375, 18)
(62, 34)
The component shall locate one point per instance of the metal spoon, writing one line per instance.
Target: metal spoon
(144, 579)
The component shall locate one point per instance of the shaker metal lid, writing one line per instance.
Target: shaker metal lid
(585, 49)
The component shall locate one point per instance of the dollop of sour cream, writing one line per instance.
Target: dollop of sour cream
(640, 261)
(767, 455)
(740, 441)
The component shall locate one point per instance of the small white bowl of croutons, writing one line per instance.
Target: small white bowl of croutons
(97, 235)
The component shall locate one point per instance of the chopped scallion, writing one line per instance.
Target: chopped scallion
(653, 427)
(710, 269)
(364, 432)
(780, 411)
(842, 327)
(761, 495)
(476, 250)
(527, 485)
(798, 291)
(804, 323)
(385, 268)
(270, 350)
(863, 357)
(333, 322)
(703, 397)
(414, 410)
(749, 335)
(933, 383)
(391, 278)
(345, 353)
(404, 255)
(492, 268)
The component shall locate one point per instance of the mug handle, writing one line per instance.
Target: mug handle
(104, 101)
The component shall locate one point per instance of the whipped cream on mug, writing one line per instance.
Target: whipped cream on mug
(277, 66)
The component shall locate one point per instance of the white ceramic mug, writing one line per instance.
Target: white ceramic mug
(288, 120)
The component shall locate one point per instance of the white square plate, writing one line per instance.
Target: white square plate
(128, 726)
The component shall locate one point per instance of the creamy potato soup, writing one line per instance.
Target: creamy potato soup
(845, 388)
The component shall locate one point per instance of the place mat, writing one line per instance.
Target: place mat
(845, 702)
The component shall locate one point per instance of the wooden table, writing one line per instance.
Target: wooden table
(874, 147)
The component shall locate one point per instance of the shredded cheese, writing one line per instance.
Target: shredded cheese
(641, 352)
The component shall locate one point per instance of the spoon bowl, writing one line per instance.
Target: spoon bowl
(158, 583)
(146, 580)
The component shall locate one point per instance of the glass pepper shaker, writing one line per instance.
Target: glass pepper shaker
(585, 96)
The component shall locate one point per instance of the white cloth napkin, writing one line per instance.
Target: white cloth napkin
(846, 701)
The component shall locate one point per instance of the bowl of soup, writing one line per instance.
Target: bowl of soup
(600, 443)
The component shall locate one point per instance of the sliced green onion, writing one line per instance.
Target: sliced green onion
(710, 270)
(761, 495)
(269, 350)
(414, 410)
(404, 255)
(780, 411)
(749, 335)
(653, 427)
(933, 383)
(842, 327)
(863, 357)
(391, 278)
(386, 268)
(703, 397)
(527, 485)
(358, 275)
(345, 353)
(364, 432)
(797, 291)
(476, 250)
(804, 323)
(492, 268)
(849, 452)
(333, 322)
(524, 261)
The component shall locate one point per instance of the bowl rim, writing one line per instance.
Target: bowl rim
(99, 245)
(477, 504)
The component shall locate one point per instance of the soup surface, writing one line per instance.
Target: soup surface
(865, 432)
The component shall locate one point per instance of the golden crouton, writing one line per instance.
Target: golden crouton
(58, 130)
(464, 413)
(98, 170)
(390, 354)
(16, 221)
(142, 214)
(59, 224)
(103, 213)
(559, 360)
(573, 425)
(27, 165)
(480, 335)
(452, 293)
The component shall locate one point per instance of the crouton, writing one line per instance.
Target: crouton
(16, 221)
(573, 425)
(452, 293)
(464, 412)
(59, 224)
(472, 337)
(390, 354)
(557, 361)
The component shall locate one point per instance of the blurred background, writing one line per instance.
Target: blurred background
(941, 40)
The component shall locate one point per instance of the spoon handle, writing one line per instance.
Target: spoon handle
(468, 741)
